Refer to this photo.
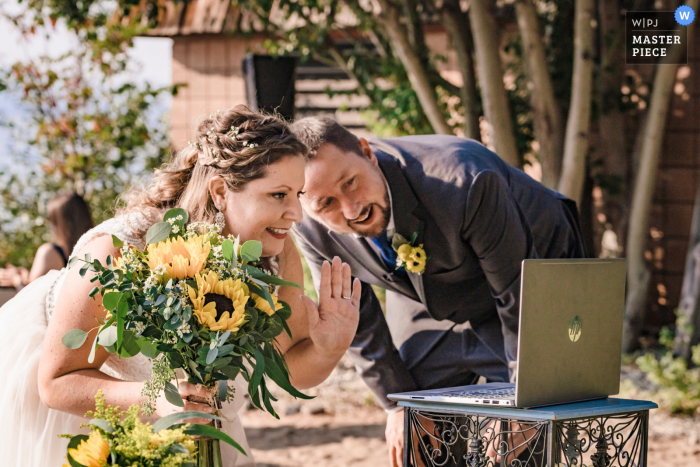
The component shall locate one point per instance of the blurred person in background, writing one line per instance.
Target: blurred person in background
(69, 217)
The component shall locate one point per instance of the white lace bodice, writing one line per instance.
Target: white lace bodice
(136, 368)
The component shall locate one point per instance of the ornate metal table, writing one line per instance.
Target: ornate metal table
(600, 433)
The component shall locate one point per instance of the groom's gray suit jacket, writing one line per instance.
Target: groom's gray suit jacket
(477, 218)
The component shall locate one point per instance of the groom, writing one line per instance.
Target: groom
(476, 217)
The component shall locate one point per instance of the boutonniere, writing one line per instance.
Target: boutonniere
(410, 257)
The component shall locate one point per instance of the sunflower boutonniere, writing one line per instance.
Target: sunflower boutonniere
(411, 257)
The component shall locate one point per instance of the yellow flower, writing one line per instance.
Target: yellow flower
(92, 452)
(416, 260)
(173, 436)
(263, 305)
(181, 258)
(231, 297)
(404, 252)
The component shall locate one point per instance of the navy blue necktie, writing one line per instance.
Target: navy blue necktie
(388, 254)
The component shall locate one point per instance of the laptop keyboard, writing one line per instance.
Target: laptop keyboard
(483, 393)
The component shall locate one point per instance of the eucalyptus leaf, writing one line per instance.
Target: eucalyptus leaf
(158, 232)
(148, 348)
(74, 339)
(173, 213)
(224, 336)
(251, 250)
(117, 242)
(108, 336)
(102, 425)
(72, 262)
(227, 249)
(91, 357)
(211, 355)
(111, 300)
(172, 395)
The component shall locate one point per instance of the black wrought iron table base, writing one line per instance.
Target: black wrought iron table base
(603, 433)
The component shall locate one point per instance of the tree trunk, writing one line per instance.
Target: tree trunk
(547, 119)
(456, 22)
(653, 132)
(577, 126)
(490, 70)
(611, 121)
(417, 74)
(688, 323)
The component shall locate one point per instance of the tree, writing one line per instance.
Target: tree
(389, 17)
(578, 122)
(490, 72)
(87, 129)
(456, 21)
(547, 119)
(688, 323)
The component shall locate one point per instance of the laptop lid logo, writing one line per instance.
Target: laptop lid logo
(575, 328)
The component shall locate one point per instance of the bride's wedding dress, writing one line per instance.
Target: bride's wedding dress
(29, 431)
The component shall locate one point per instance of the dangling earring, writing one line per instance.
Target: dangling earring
(219, 220)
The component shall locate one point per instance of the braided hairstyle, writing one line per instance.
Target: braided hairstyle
(236, 144)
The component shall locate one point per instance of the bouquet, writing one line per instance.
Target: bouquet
(193, 301)
(121, 439)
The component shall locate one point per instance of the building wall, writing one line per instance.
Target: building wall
(677, 185)
(211, 66)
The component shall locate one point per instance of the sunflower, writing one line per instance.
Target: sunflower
(181, 258)
(263, 305)
(92, 452)
(219, 304)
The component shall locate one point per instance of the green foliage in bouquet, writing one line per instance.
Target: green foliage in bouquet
(121, 439)
(194, 300)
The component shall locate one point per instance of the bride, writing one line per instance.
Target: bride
(250, 168)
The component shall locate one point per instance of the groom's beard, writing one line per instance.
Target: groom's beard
(384, 214)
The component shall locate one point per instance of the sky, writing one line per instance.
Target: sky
(151, 59)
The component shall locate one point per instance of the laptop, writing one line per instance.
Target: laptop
(570, 339)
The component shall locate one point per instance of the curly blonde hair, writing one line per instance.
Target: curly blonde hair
(236, 144)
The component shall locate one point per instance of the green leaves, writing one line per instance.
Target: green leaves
(211, 432)
(108, 337)
(158, 232)
(251, 251)
(212, 354)
(74, 339)
(102, 425)
(169, 421)
(227, 249)
(117, 242)
(258, 274)
(111, 300)
(174, 213)
(172, 395)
